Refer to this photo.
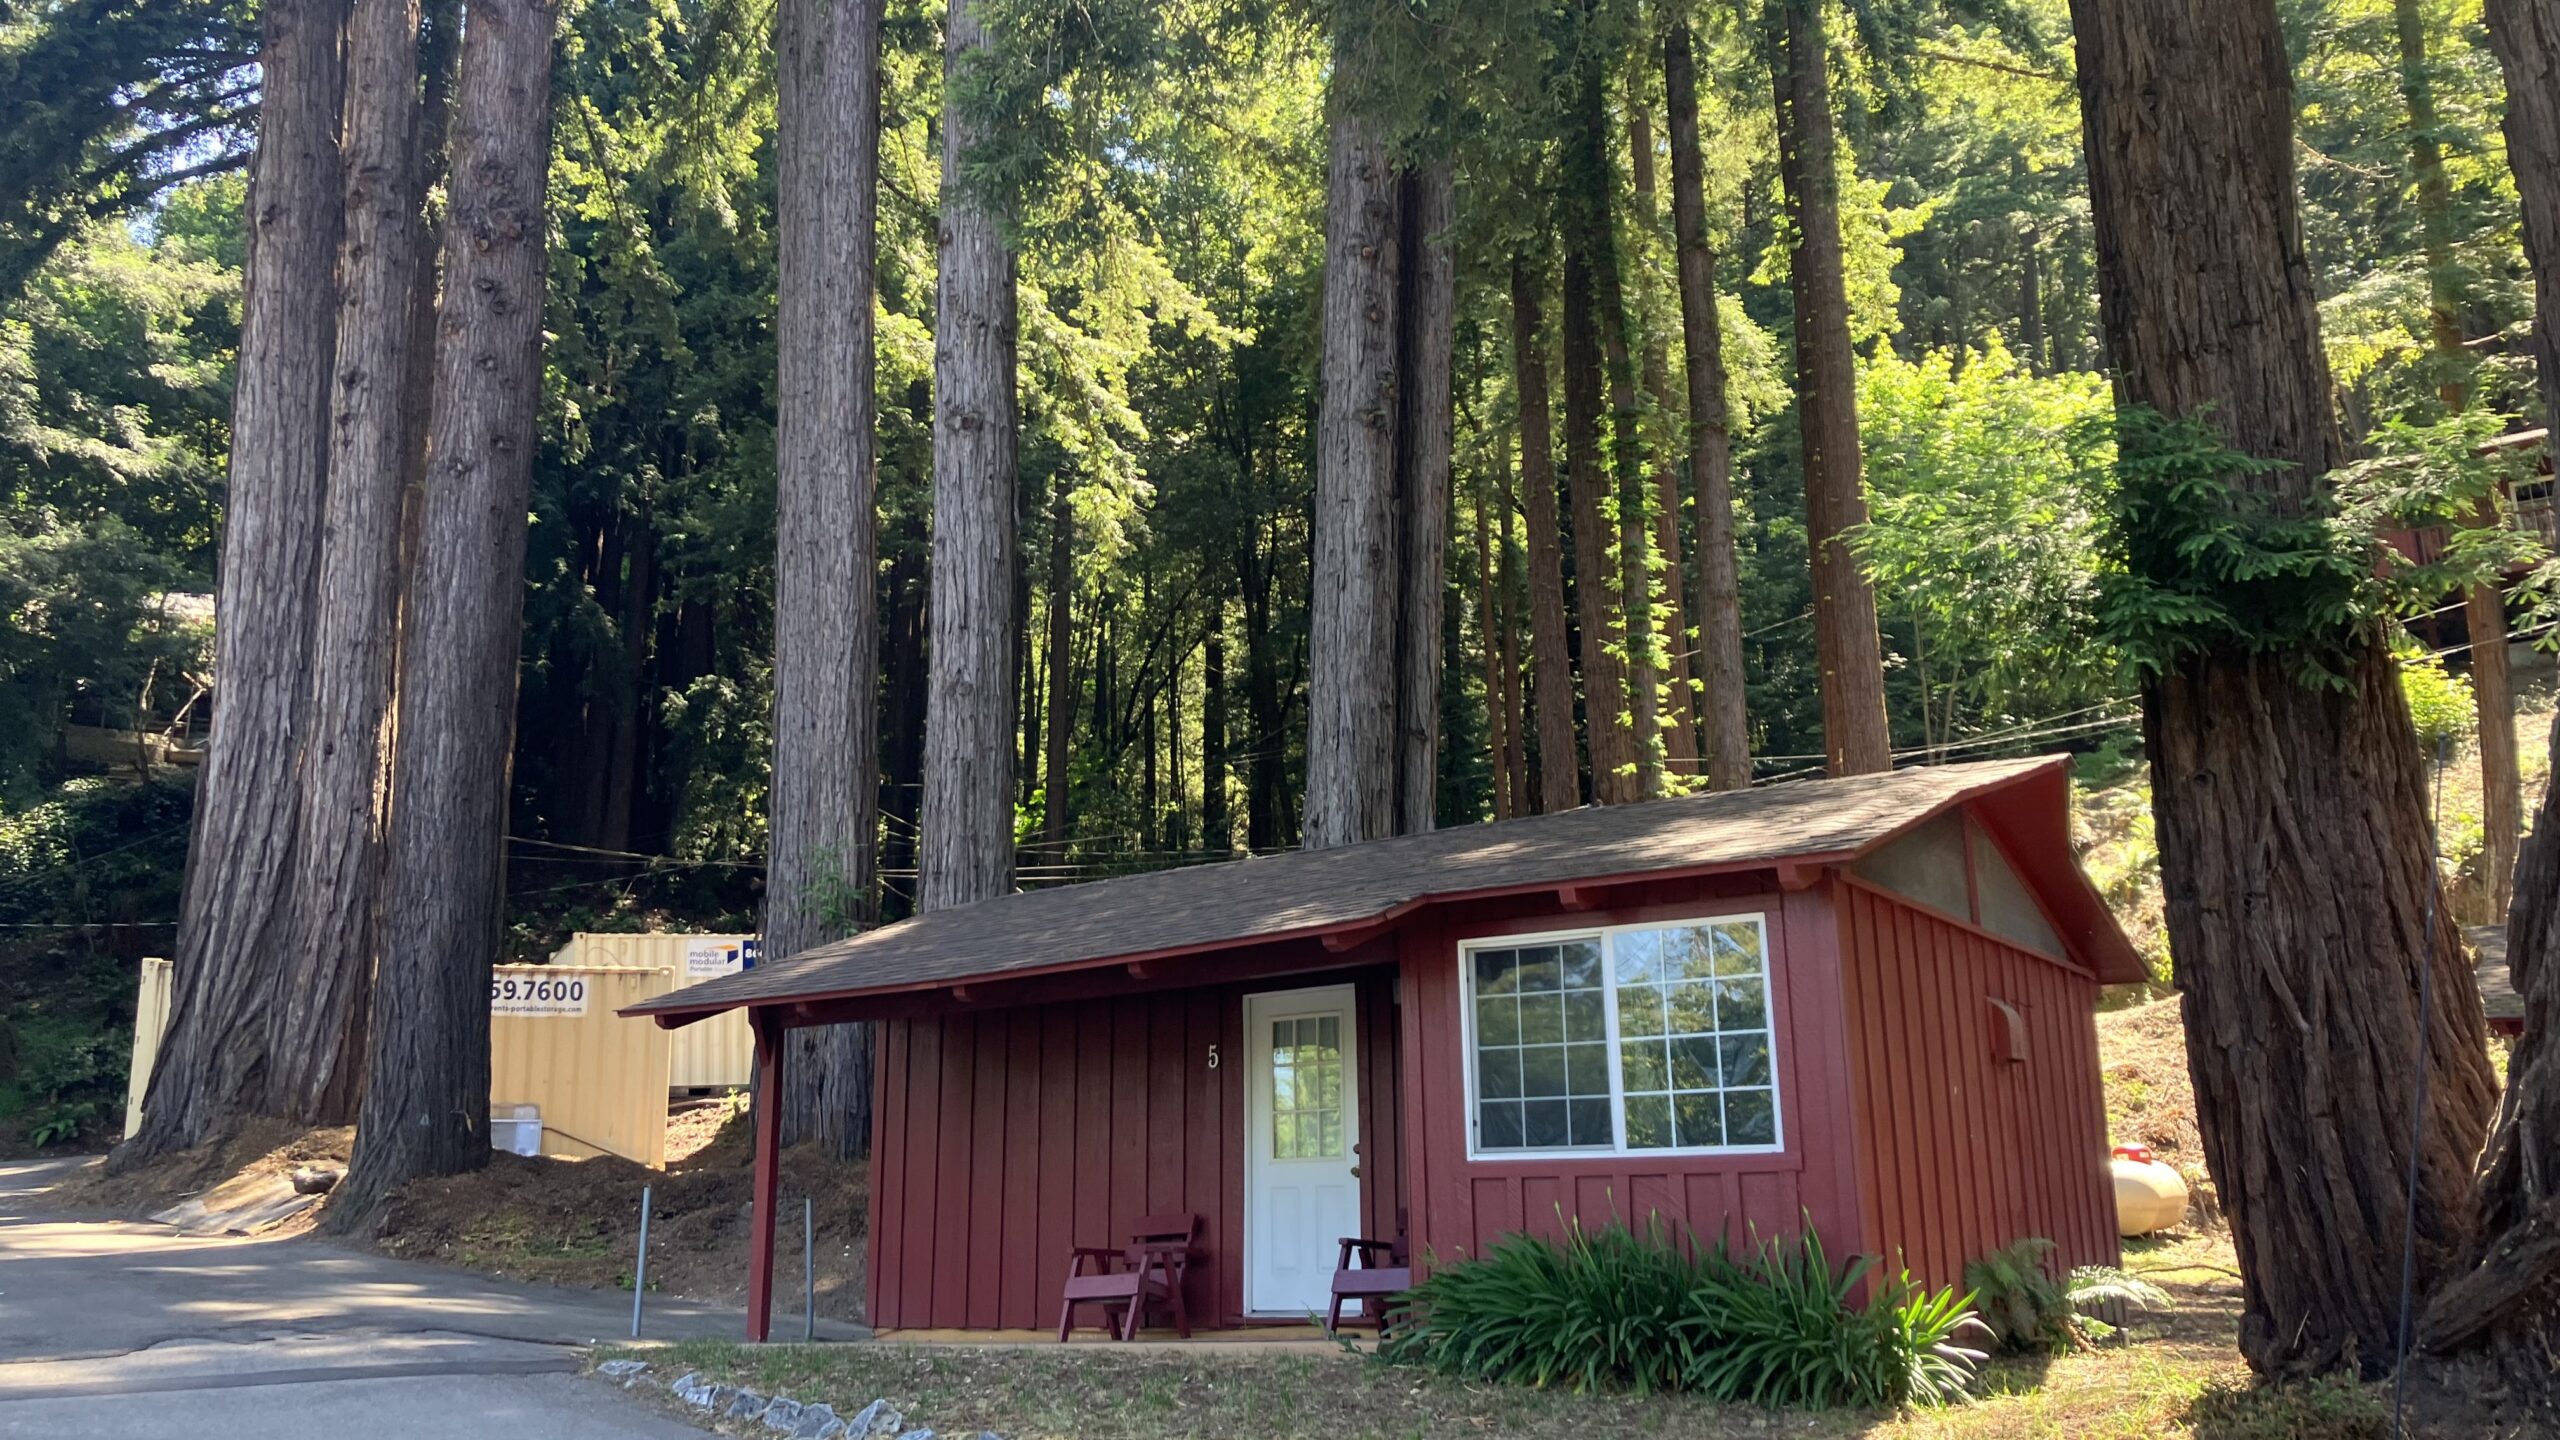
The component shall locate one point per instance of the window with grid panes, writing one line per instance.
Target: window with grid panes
(1306, 1088)
(1635, 1038)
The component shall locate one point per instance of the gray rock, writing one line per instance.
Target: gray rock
(875, 1421)
(697, 1392)
(622, 1369)
(783, 1415)
(919, 1433)
(833, 1430)
(715, 1398)
(814, 1420)
(744, 1405)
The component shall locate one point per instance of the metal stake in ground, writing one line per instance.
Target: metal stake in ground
(640, 1270)
(808, 1268)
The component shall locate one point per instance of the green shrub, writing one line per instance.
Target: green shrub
(2028, 1310)
(1787, 1330)
(1611, 1309)
(2440, 702)
(1595, 1310)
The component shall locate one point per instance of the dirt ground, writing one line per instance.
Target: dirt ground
(2150, 1098)
(577, 1222)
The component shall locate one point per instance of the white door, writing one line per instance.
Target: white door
(1302, 1117)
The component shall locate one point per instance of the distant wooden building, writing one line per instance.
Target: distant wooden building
(1868, 1001)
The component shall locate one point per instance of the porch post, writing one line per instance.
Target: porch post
(768, 1179)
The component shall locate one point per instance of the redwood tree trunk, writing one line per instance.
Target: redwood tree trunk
(1846, 645)
(1507, 603)
(427, 1055)
(1428, 302)
(967, 847)
(1352, 633)
(1679, 725)
(1724, 718)
(821, 826)
(2291, 817)
(1605, 709)
(1489, 638)
(2526, 36)
(234, 917)
(1062, 671)
(1559, 771)
(316, 1028)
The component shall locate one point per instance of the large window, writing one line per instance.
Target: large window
(1632, 1039)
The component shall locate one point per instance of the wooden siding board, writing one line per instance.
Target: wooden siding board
(2000, 1151)
(888, 1136)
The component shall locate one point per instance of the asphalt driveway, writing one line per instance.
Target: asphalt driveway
(125, 1330)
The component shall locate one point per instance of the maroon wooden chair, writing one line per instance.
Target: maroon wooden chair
(1150, 1268)
(1369, 1272)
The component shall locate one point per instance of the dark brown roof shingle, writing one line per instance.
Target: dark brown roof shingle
(1316, 891)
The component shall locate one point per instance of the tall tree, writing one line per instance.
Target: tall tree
(2506, 1299)
(1559, 770)
(821, 820)
(1062, 671)
(215, 1066)
(1491, 642)
(1679, 723)
(427, 1050)
(1605, 703)
(1847, 646)
(1374, 644)
(2484, 606)
(1593, 205)
(2291, 813)
(1724, 719)
(966, 850)
(1424, 378)
(337, 856)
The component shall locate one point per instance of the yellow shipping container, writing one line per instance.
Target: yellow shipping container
(599, 1079)
(713, 1054)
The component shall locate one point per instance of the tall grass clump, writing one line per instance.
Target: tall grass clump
(1609, 1309)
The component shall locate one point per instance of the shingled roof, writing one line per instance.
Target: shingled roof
(1316, 892)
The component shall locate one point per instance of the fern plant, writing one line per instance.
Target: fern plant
(2029, 1310)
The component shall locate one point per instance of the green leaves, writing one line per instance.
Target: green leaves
(1607, 1309)
(2199, 561)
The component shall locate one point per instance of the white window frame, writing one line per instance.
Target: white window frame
(1618, 1149)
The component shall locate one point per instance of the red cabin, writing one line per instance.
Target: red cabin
(1865, 1001)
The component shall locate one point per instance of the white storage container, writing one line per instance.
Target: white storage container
(516, 1129)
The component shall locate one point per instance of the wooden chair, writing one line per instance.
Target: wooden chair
(1367, 1281)
(1150, 1267)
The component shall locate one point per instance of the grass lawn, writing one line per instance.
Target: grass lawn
(2178, 1377)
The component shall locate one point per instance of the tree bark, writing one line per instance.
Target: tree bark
(1847, 646)
(1724, 718)
(427, 1054)
(316, 1028)
(1217, 823)
(1679, 720)
(1427, 295)
(1596, 181)
(821, 826)
(967, 846)
(1506, 580)
(2526, 36)
(215, 1066)
(1559, 768)
(1605, 708)
(2291, 818)
(1489, 639)
(1054, 818)
(1355, 677)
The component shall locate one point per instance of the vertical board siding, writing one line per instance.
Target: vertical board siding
(1964, 1153)
(1464, 1206)
(1004, 1138)
(600, 1077)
